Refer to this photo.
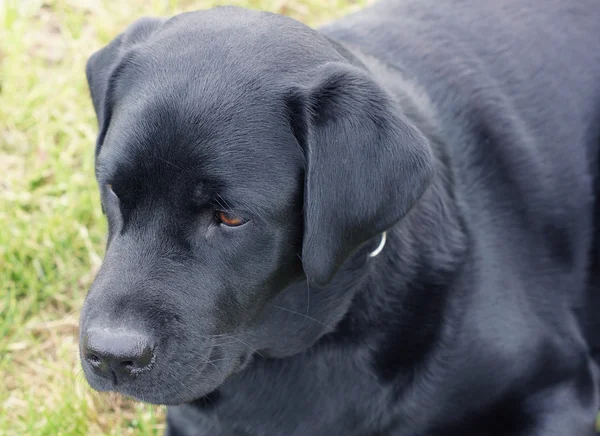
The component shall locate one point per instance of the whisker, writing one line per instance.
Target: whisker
(307, 301)
(226, 205)
(307, 294)
(167, 162)
(305, 316)
(185, 387)
(206, 361)
(224, 344)
(230, 359)
(242, 342)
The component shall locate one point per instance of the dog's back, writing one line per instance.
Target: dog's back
(516, 86)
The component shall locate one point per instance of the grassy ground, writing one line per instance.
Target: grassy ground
(51, 227)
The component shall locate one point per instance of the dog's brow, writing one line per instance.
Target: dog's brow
(200, 194)
(103, 171)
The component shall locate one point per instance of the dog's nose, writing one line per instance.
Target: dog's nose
(117, 354)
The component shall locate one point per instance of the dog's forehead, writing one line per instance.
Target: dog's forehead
(165, 142)
(233, 36)
(204, 97)
(215, 79)
(203, 123)
(233, 47)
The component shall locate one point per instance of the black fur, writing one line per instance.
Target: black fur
(468, 130)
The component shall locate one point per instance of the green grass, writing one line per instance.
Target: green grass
(51, 227)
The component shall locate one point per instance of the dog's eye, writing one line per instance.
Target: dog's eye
(111, 190)
(228, 219)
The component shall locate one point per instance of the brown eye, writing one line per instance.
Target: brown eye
(228, 219)
(110, 189)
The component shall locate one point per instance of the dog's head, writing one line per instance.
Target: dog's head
(239, 155)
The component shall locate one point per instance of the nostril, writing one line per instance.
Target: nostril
(146, 356)
(120, 353)
(141, 361)
(93, 359)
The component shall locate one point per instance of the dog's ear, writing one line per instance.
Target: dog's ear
(103, 67)
(367, 165)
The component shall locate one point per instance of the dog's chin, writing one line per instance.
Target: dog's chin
(166, 394)
(175, 398)
(169, 389)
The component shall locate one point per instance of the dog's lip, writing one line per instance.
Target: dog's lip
(243, 362)
(129, 389)
(98, 383)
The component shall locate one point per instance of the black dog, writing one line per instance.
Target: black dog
(385, 227)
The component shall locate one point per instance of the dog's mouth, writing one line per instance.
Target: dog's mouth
(211, 399)
(244, 360)
(207, 401)
(172, 382)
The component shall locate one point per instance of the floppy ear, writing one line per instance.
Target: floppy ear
(103, 67)
(367, 165)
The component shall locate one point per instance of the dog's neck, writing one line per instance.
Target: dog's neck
(433, 231)
(404, 287)
(408, 283)
(432, 234)
(428, 247)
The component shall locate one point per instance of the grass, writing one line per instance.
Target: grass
(51, 227)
